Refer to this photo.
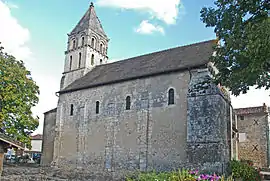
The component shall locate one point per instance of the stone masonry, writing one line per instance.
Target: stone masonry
(253, 128)
(208, 124)
(151, 134)
(48, 137)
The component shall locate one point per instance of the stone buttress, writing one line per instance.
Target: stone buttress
(208, 124)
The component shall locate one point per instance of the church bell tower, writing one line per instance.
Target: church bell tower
(86, 48)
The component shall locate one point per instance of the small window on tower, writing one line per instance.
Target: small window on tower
(70, 62)
(71, 110)
(80, 59)
(92, 59)
(74, 44)
(100, 48)
(171, 97)
(100, 61)
(82, 41)
(93, 42)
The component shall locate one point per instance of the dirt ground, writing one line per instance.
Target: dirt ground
(32, 172)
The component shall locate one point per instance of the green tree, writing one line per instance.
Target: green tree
(18, 94)
(243, 54)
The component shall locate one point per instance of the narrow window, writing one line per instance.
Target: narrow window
(71, 110)
(171, 97)
(100, 48)
(93, 42)
(80, 59)
(82, 41)
(74, 44)
(70, 62)
(97, 107)
(92, 59)
(242, 117)
(100, 61)
(128, 103)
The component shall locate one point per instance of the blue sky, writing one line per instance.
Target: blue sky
(36, 31)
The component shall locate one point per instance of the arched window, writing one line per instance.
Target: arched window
(93, 42)
(97, 107)
(171, 97)
(71, 110)
(92, 59)
(80, 59)
(100, 61)
(128, 103)
(70, 62)
(100, 48)
(74, 44)
(82, 41)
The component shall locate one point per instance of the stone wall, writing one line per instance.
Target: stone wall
(253, 122)
(152, 134)
(48, 137)
(208, 124)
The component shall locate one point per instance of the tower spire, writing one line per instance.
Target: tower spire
(87, 47)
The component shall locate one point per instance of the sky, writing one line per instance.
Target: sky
(35, 31)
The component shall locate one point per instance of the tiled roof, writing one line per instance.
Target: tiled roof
(89, 21)
(166, 61)
(252, 110)
(50, 111)
(10, 141)
(36, 137)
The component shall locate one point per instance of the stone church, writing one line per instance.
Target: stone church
(156, 111)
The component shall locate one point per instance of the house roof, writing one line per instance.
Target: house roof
(252, 110)
(89, 21)
(166, 61)
(10, 141)
(36, 137)
(50, 111)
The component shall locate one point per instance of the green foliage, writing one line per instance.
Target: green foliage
(180, 175)
(244, 170)
(243, 56)
(18, 94)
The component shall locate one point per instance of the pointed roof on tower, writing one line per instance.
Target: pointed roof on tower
(89, 21)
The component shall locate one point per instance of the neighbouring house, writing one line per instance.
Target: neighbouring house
(36, 150)
(253, 128)
(155, 111)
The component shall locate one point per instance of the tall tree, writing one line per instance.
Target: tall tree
(18, 94)
(243, 55)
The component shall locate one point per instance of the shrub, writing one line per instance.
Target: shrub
(180, 175)
(243, 169)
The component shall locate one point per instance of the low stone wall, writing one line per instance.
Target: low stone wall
(27, 173)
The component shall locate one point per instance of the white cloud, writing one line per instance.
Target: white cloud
(147, 28)
(13, 36)
(166, 11)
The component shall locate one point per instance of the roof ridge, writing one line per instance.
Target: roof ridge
(160, 51)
